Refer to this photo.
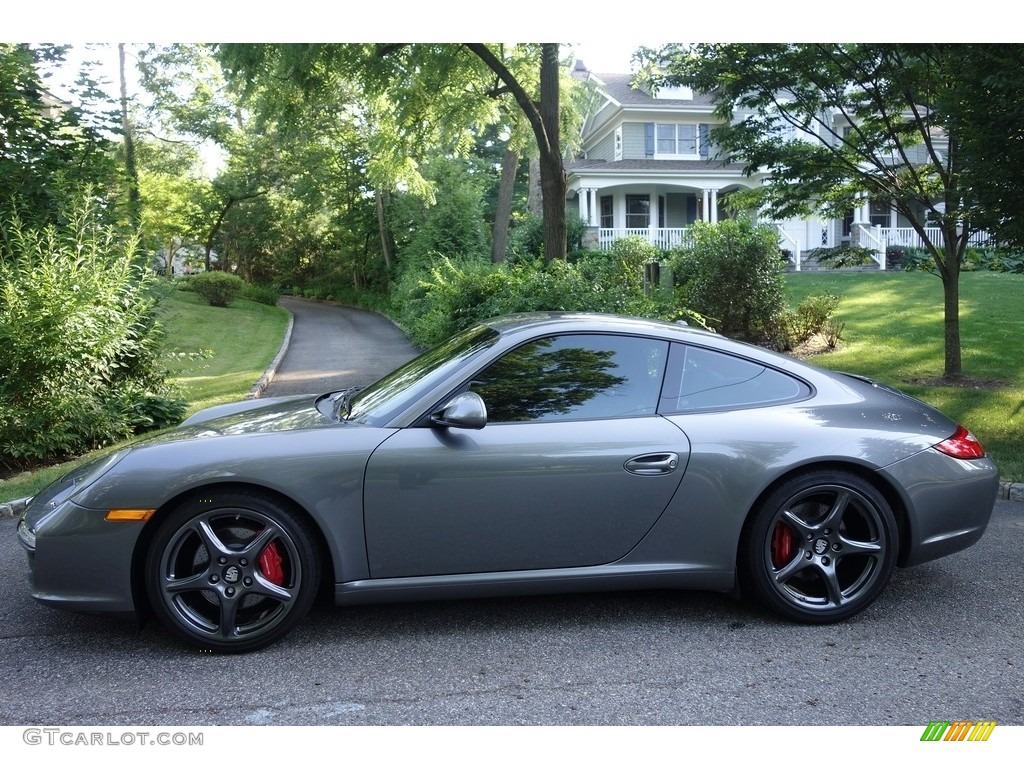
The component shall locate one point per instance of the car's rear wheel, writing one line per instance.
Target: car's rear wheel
(232, 571)
(821, 547)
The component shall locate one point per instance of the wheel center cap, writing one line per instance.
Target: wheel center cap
(232, 574)
(820, 547)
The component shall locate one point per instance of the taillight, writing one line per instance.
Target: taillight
(962, 445)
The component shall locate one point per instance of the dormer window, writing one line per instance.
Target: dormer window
(675, 92)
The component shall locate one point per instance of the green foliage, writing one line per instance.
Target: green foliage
(80, 339)
(842, 256)
(731, 274)
(264, 294)
(812, 316)
(44, 144)
(456, 294)
(527, 237)
(218, 288)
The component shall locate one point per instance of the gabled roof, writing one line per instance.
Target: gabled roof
(617, 88)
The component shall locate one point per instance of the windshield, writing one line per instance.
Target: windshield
(381, 401)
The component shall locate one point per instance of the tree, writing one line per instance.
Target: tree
(419, 96)
(47, 145)
(782, 105)
(985, 109)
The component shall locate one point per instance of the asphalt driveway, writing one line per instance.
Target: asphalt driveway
(333, 346)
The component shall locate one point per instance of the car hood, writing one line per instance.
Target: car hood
(277, 414)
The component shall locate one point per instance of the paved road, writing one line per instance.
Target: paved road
(942, 643)
(333, 347)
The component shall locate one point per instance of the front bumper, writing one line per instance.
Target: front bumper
(79, 561)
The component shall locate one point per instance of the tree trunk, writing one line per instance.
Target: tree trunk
(502, 214)
(131, 171)
(545, 121)
(534, 196)
(552, 172)
(951, 310)
(382, 226)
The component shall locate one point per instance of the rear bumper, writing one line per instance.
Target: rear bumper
(948, 503)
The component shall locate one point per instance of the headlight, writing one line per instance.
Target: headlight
(26, 535)
(77, 480)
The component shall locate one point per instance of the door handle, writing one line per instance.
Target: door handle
(653, 464)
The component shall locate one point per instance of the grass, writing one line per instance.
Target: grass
(894, 333)
(243, 340)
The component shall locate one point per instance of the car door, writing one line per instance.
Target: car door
(572, 469)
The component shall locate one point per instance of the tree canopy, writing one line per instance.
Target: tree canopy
(834, 123)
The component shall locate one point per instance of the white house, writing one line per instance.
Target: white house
(647, 168)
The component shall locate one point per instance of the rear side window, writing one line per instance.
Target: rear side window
(699, 379)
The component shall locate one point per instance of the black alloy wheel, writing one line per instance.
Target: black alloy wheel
(821, 547)
(232, 572)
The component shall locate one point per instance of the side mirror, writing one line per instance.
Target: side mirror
(464, 411)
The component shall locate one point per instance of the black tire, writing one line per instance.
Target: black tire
(232, 571)
(821, 547)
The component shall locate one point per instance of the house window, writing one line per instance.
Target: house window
(880, 214)
(638, 211)
(618, 143)
(675, 139)
(607, 212)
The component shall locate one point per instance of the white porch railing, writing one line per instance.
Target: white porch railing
(663, 238)
(872, 237)
(907, 237)
(786, 238)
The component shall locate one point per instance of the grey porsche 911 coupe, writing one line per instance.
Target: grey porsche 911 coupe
(531, 454)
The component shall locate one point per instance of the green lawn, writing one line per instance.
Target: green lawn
(243, 339)
(894, 333)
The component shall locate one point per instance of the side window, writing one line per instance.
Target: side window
(700, 380)
(585, 376)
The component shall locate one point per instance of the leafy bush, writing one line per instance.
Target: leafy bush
(843, 256)
(263, 294)
(731, 274)
(456, 294)
(79, 338)
(218, 288)
(812, 316)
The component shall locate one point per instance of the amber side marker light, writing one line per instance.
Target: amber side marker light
(128, 515)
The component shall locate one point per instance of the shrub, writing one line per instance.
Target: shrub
(218, 288)
(811, 317)
(843, 256)
(79, 338)
(263, 294)
(731, 274)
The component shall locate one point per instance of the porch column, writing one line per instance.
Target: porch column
(652, 218)
(714, 206)
(858, 209)
(705, 213)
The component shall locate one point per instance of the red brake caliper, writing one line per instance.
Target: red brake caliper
(783, 544)
(272, 564)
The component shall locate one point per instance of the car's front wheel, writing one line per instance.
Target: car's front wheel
(232, 571)
(821, 547)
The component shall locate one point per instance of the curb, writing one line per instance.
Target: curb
(1011, 491)
(13, 508)
(268, 375)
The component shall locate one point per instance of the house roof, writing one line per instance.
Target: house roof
(617, 86)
